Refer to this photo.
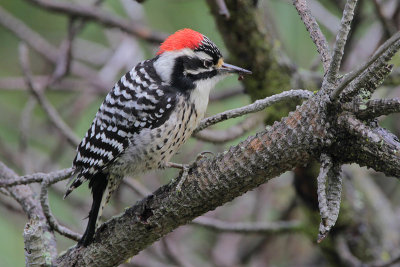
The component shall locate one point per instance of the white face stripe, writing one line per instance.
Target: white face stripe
(202, 55)
(163, 64)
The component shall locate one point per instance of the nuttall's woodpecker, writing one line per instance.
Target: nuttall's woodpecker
(151, 111)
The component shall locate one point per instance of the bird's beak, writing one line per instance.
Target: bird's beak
(228, 68)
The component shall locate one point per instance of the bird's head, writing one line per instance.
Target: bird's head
(187, 58)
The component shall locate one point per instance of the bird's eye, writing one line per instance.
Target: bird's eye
(207, 63)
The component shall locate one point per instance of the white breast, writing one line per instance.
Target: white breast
(200, 95)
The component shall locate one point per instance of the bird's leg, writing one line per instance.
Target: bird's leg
(185, 171)
(185, 168)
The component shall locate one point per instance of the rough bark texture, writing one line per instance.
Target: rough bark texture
(40, 243)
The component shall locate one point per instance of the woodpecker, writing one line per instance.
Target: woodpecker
(149, 113)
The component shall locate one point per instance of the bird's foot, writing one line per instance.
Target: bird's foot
(185, 168)
(185, 171)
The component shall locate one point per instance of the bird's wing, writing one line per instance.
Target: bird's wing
(139, 100)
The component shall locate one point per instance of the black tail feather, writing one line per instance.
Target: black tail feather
(98, 184)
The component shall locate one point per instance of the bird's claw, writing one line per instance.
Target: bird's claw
(201, 155)
(185, 168)
(185, 172)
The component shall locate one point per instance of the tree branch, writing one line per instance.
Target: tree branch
(377, 107)
(315, 32)
(51, 112)
(51, 177)
(376, 147)
(341, 38)
(384, 53)
(252, 108)
(40, 244)
(328, 200)
(97, 15)
(44, 201)
(45, 49)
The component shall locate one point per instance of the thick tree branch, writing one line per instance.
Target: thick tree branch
(375, 147)
(377, 107)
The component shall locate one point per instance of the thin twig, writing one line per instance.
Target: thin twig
(252, 108)
(51, 177)
(65, 55)
(51, 112)
(44, 201)
(315, 32)
(249, 228)
(102, 17)
(45, 49)
(341, 38)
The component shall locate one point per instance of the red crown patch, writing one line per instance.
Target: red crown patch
(185, 38)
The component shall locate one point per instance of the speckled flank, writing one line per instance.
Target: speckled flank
(152, 148)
